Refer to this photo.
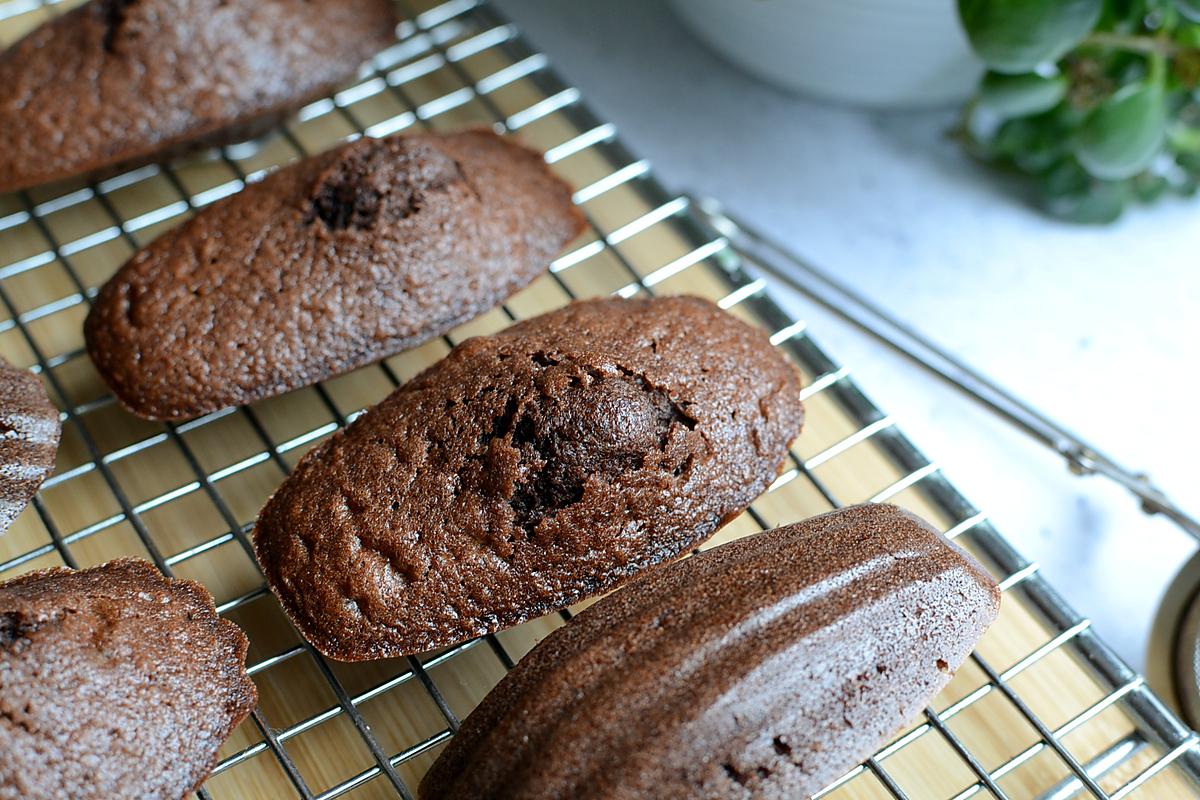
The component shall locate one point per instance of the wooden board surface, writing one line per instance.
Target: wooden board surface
(189, 493)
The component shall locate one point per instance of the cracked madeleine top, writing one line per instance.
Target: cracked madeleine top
(327, 265)
(527, 471)
(117, 83)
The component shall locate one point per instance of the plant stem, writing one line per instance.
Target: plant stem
(1134, 44)
(1158, 70)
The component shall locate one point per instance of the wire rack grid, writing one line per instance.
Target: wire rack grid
(1042, 710)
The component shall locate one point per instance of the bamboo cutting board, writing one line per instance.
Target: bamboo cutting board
(1017, 721)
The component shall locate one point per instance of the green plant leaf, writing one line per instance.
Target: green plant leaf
(1015, 137)
(1021, 95)
(1070, 193)
(1189, 182)
(1189, 35)
(1183, 138)
(1124, 133)
(1016, 36)
(1031, 143)
(1149, 187)
(1189, 9)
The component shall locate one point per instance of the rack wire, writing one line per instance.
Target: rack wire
(1043, 709)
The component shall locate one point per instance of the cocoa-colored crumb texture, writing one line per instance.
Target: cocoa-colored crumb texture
(29, 434)
(527, 471)
(325, 266)
(763, 668)
(123, 82)
(114, 682)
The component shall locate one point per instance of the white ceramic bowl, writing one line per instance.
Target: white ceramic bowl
(881, 53)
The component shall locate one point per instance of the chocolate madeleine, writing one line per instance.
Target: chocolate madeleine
(327, 265)
(29, 433)
(116, 83)
(763, 668)
(527, 471)
(114, 682)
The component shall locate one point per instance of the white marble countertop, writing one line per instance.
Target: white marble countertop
(1096, 326)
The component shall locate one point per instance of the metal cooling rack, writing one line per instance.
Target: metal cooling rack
(453, 63)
